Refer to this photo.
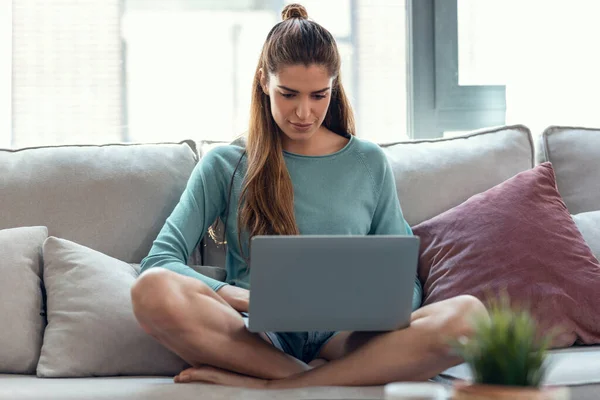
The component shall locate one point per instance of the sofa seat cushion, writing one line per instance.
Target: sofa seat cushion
(571, 366)
(111, 198)
(21, 304)
(575, 155)
(22, 387)
(91, 328)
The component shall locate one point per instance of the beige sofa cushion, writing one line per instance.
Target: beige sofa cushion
(575, 156)
(572, 366)
(21, 305)
(589, 225)
(433, 176)
(111, 198)
(20, 387)
(91, 328)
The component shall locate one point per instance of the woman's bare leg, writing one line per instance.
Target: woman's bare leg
(194, 322)
(413, 354)
(417, 353)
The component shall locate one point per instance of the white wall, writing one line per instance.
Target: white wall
(5, 72)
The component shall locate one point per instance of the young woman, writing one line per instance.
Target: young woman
(302, 171)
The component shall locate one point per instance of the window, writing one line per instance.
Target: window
(66, 80)
(159, 70)
(5, 73)
(443, 103)
(510, 61)
(190, 64)
(553, 79)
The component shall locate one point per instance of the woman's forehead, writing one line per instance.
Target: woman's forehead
(303, 78)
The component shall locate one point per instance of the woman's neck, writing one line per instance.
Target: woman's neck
(322, 143)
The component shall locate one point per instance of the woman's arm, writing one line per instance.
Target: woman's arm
(201, 202)
(389, 220)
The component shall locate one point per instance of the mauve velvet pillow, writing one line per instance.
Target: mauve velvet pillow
(517, 237)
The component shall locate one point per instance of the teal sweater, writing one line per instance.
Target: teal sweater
(350, 192)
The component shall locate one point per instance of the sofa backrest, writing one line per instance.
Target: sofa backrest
(433, 176)
(575, 156)
(111, 198)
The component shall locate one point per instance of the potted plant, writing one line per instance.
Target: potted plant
(507, 358)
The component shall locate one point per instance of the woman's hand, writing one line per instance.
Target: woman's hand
(236, 297)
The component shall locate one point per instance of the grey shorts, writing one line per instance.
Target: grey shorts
(305, 346)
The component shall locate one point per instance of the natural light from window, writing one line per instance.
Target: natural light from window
(105, 71)
(190, 70)
(545, 52)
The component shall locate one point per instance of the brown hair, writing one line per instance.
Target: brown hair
(266, 204)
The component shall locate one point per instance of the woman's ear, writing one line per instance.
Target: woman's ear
(263, 81)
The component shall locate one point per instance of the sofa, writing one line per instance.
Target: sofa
(75, 222)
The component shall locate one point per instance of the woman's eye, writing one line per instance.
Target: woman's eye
(292, 95)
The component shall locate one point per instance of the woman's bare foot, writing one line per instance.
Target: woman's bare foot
(217, 376)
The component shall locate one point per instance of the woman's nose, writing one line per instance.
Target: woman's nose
(303, 110)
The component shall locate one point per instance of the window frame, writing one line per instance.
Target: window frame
(437, 103)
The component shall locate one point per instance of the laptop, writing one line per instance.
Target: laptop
(331, 283)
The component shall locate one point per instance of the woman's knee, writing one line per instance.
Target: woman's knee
(449, 320)
(470, 306)
(463, 312)
(157, 297)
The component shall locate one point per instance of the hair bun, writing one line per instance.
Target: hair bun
(294, 10)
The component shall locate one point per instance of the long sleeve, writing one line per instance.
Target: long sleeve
(388, 220)
(200, 204)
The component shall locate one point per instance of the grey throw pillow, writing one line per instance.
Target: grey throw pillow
(21, 304)
(91, 328)
(589, 225)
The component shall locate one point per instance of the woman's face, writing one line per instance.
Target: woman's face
(299, 97)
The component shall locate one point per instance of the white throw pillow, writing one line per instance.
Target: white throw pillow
(589, 225)
(91, 328)
(21, 303)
